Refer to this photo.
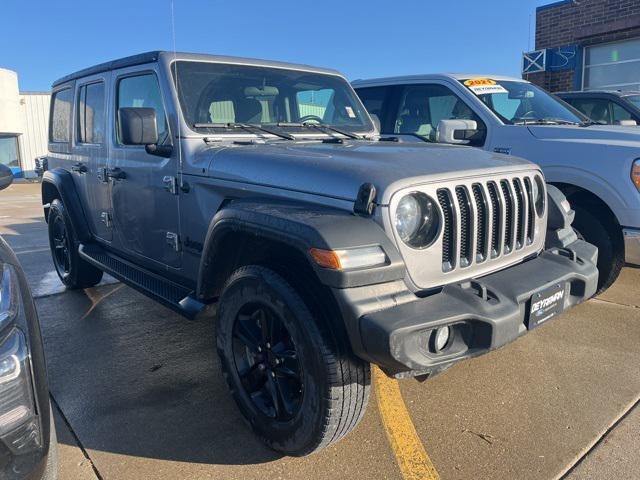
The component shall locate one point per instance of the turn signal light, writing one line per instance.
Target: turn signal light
(635, 174)
(364, 257)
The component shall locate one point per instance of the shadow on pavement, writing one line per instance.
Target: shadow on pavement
(135, 379)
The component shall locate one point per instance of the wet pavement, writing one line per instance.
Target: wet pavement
(141, 396)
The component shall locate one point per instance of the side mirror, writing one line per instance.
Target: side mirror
(376, 122)
(456, 131)
(626, 123)
(6, 176)
(138, 126)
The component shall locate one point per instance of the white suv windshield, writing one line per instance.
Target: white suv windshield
(215, 94)
(520, 103)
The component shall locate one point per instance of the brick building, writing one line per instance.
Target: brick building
(586, 45)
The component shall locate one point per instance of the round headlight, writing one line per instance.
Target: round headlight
(417, 220)
(539, 199)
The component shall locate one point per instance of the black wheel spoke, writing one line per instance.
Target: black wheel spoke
(263, 321)
(284, 371)
(282, 351)
(243, 333)
(277, 399)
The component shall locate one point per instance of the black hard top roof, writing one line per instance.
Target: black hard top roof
(139, 59)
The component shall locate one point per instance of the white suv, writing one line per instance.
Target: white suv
(596, 166)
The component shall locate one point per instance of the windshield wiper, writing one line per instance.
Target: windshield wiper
(544, 121)
(250, 127)
(321, 127)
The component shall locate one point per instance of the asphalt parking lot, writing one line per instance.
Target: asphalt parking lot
(139, 395)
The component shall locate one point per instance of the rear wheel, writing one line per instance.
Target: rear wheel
(592, 225)
(74, 271)
(292, 383)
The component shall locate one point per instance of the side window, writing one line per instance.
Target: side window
(596, 109)
(143, 91)
(91, 113)
(374, 99)
(60, 119)
(619, 113)
(423, 106)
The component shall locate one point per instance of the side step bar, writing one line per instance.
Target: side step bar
(170, 294)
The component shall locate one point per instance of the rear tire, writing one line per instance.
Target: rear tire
(74, 271)
(591, 224)
(326, 389)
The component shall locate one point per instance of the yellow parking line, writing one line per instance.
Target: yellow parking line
(410, 454)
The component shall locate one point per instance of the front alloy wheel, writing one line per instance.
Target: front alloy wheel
(266, 362)
(292, 382)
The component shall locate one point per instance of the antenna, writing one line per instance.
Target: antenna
(178, 109)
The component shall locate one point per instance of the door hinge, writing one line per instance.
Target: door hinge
(102, 175)
(171, 184)
(174, 240)
(105, 217)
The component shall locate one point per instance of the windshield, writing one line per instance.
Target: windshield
(635, 99)
(214, 94)
(521, 103)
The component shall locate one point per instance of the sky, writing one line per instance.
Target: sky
(43, 40)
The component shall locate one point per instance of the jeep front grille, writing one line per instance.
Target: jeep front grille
(485, 221)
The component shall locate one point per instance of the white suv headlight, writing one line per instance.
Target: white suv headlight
(19, 424)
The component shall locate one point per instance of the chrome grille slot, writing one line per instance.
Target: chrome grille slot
(510, 215)
(482, 223)
(530, 211)
(466, 227)
(521, 203)
(496, 223)
(448, 230)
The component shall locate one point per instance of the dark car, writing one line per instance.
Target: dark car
(27, 432)
(606, 107)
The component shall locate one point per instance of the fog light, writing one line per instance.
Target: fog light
(440, 338)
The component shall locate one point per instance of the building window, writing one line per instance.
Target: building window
(612, 66)
(9, 151)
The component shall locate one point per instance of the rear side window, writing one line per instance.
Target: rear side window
(60, 127)
(91, 113)
(143, 91)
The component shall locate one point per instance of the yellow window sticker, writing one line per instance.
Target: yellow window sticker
(484, 86)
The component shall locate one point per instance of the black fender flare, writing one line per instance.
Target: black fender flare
(301, 226)
(62, 181)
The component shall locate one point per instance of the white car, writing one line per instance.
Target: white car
(596, 166)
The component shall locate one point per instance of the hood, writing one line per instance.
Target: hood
(609, 134)
(338, 170)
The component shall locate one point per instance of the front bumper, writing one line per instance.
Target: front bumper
(631, 245)
(484, 314)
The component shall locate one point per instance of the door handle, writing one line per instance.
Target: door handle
(116, 174)
(79, 167)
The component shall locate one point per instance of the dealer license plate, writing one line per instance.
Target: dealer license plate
(545, 305)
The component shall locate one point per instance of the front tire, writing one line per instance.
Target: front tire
(592, 225)
(74, 271)
(292, 383)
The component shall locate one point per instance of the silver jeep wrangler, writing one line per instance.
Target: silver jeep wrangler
(264, 189)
